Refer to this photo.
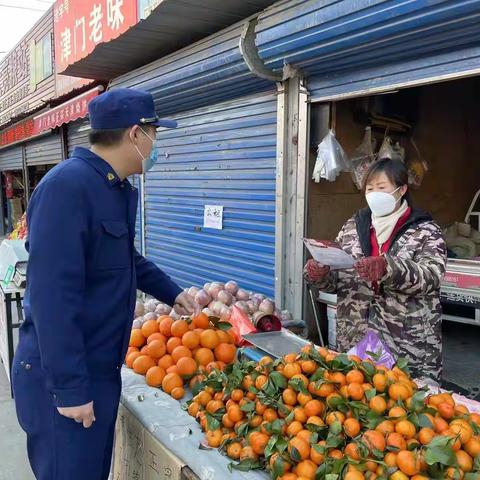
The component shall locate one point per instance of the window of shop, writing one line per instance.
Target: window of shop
(41, 57)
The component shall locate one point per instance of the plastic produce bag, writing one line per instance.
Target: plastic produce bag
(241, 325)
(391, 151)
(371, 344)
(363, 157)
(417, 167)
(331, 159)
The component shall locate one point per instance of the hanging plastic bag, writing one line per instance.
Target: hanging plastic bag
(417, 167)
(390, 150)
(331, 159)
(363, 157)
(371, 347)
(241, 325)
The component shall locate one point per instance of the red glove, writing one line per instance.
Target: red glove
(316, 271)
(371, 269)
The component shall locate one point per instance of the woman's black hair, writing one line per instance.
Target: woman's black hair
(395, 170)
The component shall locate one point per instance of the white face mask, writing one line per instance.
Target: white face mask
(382, 203)
(151, 160)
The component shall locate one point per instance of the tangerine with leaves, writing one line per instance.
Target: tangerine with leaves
(299, 449)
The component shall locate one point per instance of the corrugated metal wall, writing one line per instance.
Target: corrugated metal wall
(78, 135)
(318, 36)
(44, 151)
(221, 155)
(135, 180)
(11, 158)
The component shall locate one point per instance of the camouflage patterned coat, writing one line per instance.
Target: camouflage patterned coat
(406, 308)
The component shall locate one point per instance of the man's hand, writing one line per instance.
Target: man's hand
(186, 305)
(82, 414)
(371, 269)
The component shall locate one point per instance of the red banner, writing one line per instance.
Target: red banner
(79, 26)
(16, 133)
(67, 112)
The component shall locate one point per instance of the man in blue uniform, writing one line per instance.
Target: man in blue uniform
(83, 274)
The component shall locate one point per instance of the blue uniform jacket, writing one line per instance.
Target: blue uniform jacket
(83, 273)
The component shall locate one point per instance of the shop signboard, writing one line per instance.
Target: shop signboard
(16, 133)
(67, 112)
(80, 26)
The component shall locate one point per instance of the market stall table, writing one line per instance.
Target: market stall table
(149, 417)
(8, 296)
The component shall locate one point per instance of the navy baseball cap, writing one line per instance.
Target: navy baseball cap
(124, 108)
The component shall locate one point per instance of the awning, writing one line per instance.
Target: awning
(171, 26)
(66, 112)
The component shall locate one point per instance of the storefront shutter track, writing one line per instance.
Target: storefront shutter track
(221, 155)
(11, 158)
(44, 151)
(78, 135)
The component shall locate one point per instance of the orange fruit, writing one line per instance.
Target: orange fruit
(144, 350)
(234, 450)
(303, 398)
(398, 391)
(227, 422)
(258, 441)
(177, 393)
(472, 447)
(408, 462)
(179, 328)
(171, 381)
(209, 339)
(155, 376)
(390, 459)
(406, 428)
(137, 339)
(313, 408)
(292, 369)
(385, 427)
(225, 352)
(425, 435)
(316, 456)
(260, 408)
(336, 454)
(335, 417)
(193, 409)
(351, 450)
(464, 460)
(236, 395)
(306, 469)
(156, 336)
(204, 356)
(354, 475)
(374, 440)
(355, 391)
(214, 405)
(294, 428)
(315, 420)
(308, 366)
(380, 382)
(378, 404)
(396, 440)
(165, 326)
(396, 413)
(130, 350)
(143, 363)
(173, 369)
(214, 438)
(289, 396)
(165, 362)
(352, 427)
(180, 352)
(157, 349)
(149, 328)
(339, 378)
(224, 337)
(462, 429)
(173, 343)
(191, 340)
(355, 376)
(248, 453)
(234, 413)
(201, 321)
(269, 415)
(446, 410)
(299, 449)
(131, 357)
(203, 398)
(440, 424)
(186, 366)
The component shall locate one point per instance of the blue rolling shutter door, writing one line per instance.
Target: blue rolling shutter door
(135, 180)
(11, 158)
(78, 135)
(221, 155)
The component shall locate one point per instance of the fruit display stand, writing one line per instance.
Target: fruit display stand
(156, 439)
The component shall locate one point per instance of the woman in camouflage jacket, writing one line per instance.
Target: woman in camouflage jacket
(394, 288)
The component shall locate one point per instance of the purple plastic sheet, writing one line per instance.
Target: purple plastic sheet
(371, 344)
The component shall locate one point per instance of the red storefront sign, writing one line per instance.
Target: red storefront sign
(16, 133)
(79, 26)
(67, 112)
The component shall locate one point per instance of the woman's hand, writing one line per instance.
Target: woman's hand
(316, 271)
(371, 269)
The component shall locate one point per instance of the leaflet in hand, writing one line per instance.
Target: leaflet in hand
(329, 253)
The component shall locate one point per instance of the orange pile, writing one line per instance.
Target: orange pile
(320, 415)
(171, 352)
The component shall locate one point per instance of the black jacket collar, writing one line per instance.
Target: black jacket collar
(363, 220)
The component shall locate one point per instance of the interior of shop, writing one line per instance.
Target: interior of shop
(436, 125)
(13, 199)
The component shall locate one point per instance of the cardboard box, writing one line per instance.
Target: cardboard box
(138, 455)
(12, 254)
